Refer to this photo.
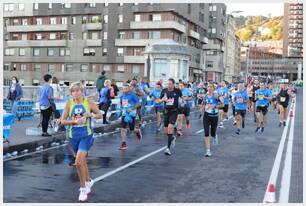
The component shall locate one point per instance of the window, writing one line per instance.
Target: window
(121, 35)
(62, 67)
(84, 19)
(24, 36)
(92, 5)
(213, 30)
(105, 19)
(67, 51)
(38, 21)
(23, 67)
(35, 6)
(136, 69)
(69, 68)
(24, 22)
(10, 52)
(71, 35)
(22, 52)
(209, 64)
(21, 7)
(120, 68)
(8, 7)
(135, 4)
(137, 17)
(105, 4)
(104, 52)
(120, 18)
(50, 52)
(50, 6)
(95, 19)
(154, 35)
(121, 4)
(37, 67)
(62, 52)
(89, 52)
(156, 17)
(136, 35)
(105, 35)
(84, 35)
(73, 20)
(51, 67)
(84, 67)
(38, 36)
(106, 68)
(120, 52)
(94, 35)
(15, 37)
(52, 20)
(52, 36)
(64, 20)
(36, 51)
(66, 6)
(6, 67)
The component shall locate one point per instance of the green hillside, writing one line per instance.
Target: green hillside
(248, 28)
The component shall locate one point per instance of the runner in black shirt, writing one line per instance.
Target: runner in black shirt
(254, 88)
(170, 96)
(283, 100)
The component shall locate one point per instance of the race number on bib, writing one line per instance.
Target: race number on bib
(283, 99)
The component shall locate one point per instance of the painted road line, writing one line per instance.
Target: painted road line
(128, 165)
(277, 161)
(286, 177)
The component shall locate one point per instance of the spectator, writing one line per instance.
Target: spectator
(56, 94)
(105, 99)
(114, 89)
(46, 101)
(100, 81)
(14, 95)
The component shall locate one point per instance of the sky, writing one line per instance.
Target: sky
(254, 9)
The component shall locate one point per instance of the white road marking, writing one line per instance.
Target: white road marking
(286, 177)
(278, 157)
(201, 130)
(128, 165)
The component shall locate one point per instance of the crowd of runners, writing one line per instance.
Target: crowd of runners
(172, 103)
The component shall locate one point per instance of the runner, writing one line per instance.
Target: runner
(129, 103)
(283, 101)
(158, 105)
(201, 94)
(77, 114)
(184, 108)
(223, 93)
(255, 87)
(262, 97)
(210, 118)
(240, 100)
(249, 91)
(275, 89)
(170, 96)
(137, 90)
(233, 90)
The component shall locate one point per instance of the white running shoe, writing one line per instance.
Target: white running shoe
(83, 194)
(88, 186)
(208, 153)
(167, 151)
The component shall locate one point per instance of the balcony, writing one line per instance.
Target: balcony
(135, 42)
(43, 27)
(92, 26)
(204, 40)
(94, 42)
(134, 59)
(37, 43)
(158, 25)
(194, 34)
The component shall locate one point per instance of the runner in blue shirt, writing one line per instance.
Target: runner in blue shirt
(223, 93)
(184, 108)
(262, 97)
(129, 103)
(158, 104)
(240, 100)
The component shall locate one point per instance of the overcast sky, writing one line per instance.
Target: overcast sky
(254, 9)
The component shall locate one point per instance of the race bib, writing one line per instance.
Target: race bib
(170, 102)
(282, 99)
(260, 97)
(125, 103)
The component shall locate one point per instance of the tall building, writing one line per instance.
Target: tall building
(293, 30)
(78, 41)
(214, 61)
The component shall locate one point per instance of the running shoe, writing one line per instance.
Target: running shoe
(284, 123)
(234, 123)
(262, 129)
(280, 124)
(139, 134)
(123, 146)
(83, 194)
(179, 132)
(221, 125)
(257, 130)
(238, 131)
(226, 119)
(167, 151)
(88, 186)
(243, 125)
(208, 153)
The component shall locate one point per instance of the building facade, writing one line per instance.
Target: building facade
(78, 41)
(293, 30)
